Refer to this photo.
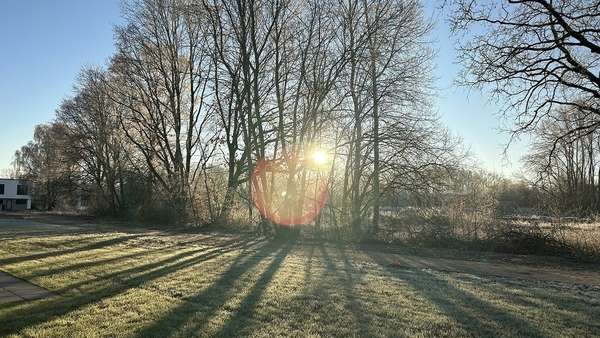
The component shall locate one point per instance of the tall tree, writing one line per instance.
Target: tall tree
(45, 162)
(96, 140)
(160, 79)
(389, 74)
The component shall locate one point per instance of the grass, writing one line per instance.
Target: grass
(138, 284)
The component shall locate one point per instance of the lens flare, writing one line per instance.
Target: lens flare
(289, 191)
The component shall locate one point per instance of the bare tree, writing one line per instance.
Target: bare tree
(570, 178)
(279, 82)
(389, 79)
(96, 139)
(46, 164)
(160, 77)
(535, 55)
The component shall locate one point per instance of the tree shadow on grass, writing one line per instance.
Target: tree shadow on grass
(87, 247)
(534, 293)
(31, 314)
(242, 316)
(475, 315)
(345, 277)
(11, 234)
(568, 307)
(210, 300)
(110, 260)
(155, 268)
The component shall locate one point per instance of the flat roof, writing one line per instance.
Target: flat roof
(12, 179)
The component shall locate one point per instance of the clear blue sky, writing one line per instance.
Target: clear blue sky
(44, 44)
(469, 113)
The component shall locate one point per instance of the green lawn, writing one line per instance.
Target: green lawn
(119, 283)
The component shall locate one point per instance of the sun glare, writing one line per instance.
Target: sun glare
(291, 198)
(319, 157)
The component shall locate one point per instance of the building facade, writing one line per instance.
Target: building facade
(14, 195)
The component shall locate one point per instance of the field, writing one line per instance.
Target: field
(113, 280)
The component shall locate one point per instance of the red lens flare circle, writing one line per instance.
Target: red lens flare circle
(288, 192)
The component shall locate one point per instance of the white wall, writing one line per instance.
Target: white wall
(10, 191)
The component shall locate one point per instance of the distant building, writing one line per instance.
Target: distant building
(14, 194)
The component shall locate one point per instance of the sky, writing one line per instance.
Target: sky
(44, 44)
(469, 113)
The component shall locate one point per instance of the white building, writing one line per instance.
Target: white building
(14, 194)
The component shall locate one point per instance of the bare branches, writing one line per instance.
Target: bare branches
(200, 92)
(533, 54)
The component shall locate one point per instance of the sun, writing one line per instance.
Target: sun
(320, 157)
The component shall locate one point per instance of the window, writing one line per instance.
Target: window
(1, 189)
(21, 189)
(21, 202)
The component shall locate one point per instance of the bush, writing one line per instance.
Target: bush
(477, 230)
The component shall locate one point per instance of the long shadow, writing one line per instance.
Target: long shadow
(545, 299)
(239, 319)
(308, 273)
(209, 300)
(347, 282)
(87, 264)
(474, 314)
(557, 303)
(355, 303)
(301, 303)
(91, 246)
(57, 238)
(321, 290)
(206, 254)
(145, 252)
(7, 234)
(37, 313)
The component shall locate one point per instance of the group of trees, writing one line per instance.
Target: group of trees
(541, 60)
(566, 161)
(215, 109)
(200, 92)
